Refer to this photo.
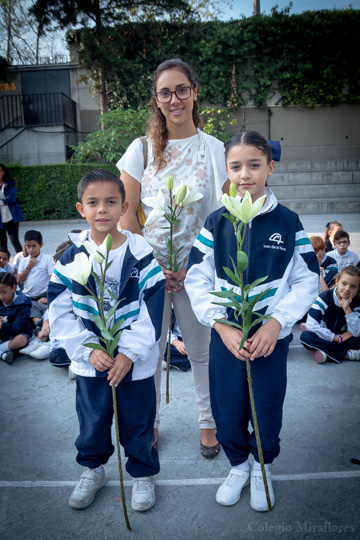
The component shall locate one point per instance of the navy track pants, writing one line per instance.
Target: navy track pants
(230, 401)
(136, 412)
(335, 351)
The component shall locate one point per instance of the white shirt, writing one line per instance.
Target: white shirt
(349, 258)
(4, 209)
(197, 161)
(17, 259)
(7, 268)
(37, 282)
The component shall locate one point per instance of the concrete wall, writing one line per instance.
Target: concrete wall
(319, 134)
(36, 146)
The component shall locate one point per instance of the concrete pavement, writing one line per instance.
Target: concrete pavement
(317, 487)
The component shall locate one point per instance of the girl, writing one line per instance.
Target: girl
(15, 327)
(277, 247)
(10, 211)
(176, 146)
(330, 230)
(333, 323)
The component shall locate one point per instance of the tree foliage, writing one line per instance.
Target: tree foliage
(309, 56)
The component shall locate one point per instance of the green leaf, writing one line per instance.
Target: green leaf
(225, 294)
(108, 266)
(106, 334)
(114, 343)
(111, 311)
(258, 281)
(229, 323)
(242, 261)
(116, 327)
(96, 346)
(232, 276)
(98, 321)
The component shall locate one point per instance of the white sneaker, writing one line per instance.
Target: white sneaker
(230, 490)
(143, 494)
(32, 346)
(42, 352)
(72, 375)
(258, 500)
(353, 354)
(85, 491)
(319, 356)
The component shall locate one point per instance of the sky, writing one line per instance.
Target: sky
(246, 7)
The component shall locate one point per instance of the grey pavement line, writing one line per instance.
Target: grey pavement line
(185, 482)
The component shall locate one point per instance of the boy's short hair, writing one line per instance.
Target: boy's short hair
(33, 235)
(341, 234)
(5, 250)
(317, 243)
(99, 176)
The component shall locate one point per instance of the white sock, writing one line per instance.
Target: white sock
(257, 466)
(243, 466)
(98, 470)
(4, 346)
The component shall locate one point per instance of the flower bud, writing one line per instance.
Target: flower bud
(170, 184)
(242, 261)
(181, 194)
(109, 242)
(232, 190)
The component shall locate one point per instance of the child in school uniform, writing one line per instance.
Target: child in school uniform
(342, 255)
(5, 265)
(15, 327)
(135, 277)
(328, 266)
(333, 323)
(330, 230)
(34, 273)
(277, 247)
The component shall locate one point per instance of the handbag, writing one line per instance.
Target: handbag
(140, 211)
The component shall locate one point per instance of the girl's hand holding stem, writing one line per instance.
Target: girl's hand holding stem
(264, 340)
(231, 337)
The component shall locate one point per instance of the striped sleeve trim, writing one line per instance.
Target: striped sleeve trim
(205, 241)
(64, 279)
(319, 304)
(153, 272)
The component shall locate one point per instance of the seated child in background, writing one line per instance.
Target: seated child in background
(178, 354)
(34, 273)
(331, 229)
(5, 265)
(342, 255)
(15, 327)
(39, 348)
(136, 278)
(328, 267)
(17, 259)
(333, 324)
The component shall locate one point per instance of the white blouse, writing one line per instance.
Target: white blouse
(197, 161)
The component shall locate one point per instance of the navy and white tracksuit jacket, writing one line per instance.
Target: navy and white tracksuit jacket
(141, 285)
(326, 319)
(277, 247)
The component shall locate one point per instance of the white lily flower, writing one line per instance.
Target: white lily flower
(192, 195)
(80, 269)
(94, 251)
(244, 210)
(157, 204)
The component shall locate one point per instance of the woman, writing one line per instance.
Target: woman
(10, 211)
(176, 146)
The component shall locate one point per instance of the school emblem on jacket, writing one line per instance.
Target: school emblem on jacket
(134, 273)
(276, 238)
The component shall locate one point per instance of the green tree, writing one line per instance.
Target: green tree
(97, 16)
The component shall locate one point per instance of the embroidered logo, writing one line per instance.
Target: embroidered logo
(276, 237)
(134, 273)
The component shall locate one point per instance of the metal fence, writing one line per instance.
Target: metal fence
(37, 110)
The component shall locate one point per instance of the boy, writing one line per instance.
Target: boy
(342, 255)
(5, 266)
(135, 277)
(34, 273)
